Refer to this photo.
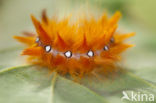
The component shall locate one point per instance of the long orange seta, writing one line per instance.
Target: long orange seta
(76, 48)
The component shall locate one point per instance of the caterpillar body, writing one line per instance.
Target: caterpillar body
(76, 49)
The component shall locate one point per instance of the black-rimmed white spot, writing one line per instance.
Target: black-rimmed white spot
(68, 54)
(106, 48)
(90, 53)
(48, 48)
(112, 40)
(37, 39)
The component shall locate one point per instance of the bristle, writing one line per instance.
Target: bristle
(41, 32)
(115, 18)
(25, 40)
(84, 45)
(34, 51)
(44, 16)
(122, 37)
(60, 43)
(28, 34)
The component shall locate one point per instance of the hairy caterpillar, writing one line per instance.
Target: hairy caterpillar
(78, 48)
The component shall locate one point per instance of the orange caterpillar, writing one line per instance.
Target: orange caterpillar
(76, 49)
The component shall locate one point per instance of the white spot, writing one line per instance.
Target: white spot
(90, 53)
(68, 54)
(37, 39)
(112, 40)
(106, 48)
(47, 48)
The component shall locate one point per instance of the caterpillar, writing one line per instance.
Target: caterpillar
(75, 48)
